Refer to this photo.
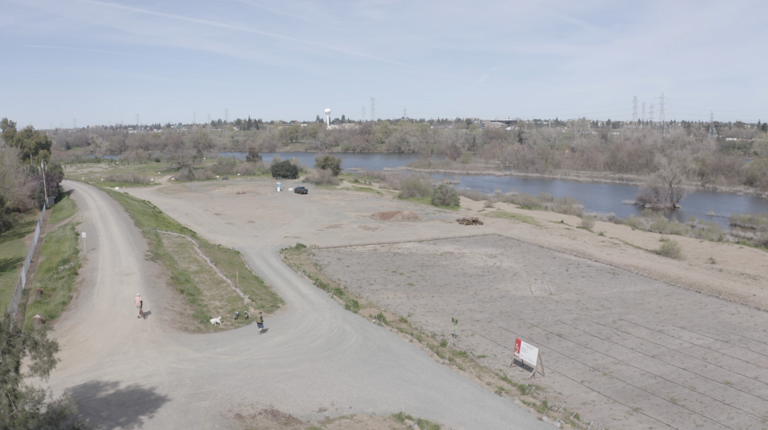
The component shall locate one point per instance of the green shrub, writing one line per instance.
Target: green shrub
(328, 162)
(671, 249)
(445, 195)
(284, 169)
(709, 231)
(415, 187)
(525, 201)
(664, 226)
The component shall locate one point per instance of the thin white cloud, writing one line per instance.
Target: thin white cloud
(209, 23)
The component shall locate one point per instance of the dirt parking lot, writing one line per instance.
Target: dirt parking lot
(623, 350)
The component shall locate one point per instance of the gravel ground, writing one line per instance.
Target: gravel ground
(623, 350)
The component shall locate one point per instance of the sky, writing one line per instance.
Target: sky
(100, 62)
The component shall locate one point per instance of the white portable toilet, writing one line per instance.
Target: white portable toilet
(279, 187)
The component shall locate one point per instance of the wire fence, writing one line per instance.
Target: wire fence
(14, 307)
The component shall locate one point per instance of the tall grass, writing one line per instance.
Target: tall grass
(757, 222)
(56, 274)
(127, 178)
(655, 222)
(545, 201)
(65, 208)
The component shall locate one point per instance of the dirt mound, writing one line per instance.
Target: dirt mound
(396, 216)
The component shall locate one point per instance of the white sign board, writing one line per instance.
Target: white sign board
(526, 353)
(83, 235)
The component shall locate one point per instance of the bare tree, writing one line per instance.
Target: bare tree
(201, 142)
(664, 189)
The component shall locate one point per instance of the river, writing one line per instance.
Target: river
(600, 198)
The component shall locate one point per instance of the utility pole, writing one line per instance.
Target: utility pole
(45, 187)
(634, 109)
(373, 108)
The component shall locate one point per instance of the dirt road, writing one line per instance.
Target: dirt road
(128, 373)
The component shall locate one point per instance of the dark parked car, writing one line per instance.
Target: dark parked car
(300, 190)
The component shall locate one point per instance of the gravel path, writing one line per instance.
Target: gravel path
(129, 373)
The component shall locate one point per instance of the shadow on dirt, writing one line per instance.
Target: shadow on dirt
(104, 405)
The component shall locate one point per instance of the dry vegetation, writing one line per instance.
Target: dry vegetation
(269, 418)
(507, 383)
(593, 322)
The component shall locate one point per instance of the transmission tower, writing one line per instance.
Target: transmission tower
(362, 114)
(712, 131)
(137, 121)
(634, 109)
(194, 118)
(650, 114)
(662, 117)
(373, 108)
(405, 113)
(643, 112)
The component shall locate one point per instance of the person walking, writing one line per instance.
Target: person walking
(260, 322)
(140, 305)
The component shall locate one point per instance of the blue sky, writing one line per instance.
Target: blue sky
(105, 61)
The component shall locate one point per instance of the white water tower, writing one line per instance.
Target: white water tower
(328, 117)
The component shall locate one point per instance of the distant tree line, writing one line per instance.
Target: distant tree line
(737, 153)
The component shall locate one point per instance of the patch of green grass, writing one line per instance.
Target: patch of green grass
(149, 219)
(65, 208)
(422, 423)
(632, 245)
(111, 184)
(518, 217)
(56, 274)
(427, 200)
(366, 189)
(13, 249)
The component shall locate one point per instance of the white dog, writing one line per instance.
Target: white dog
(216, 320)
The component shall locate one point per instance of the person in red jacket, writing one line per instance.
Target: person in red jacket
(140, 305)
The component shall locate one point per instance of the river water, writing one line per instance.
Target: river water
(600, 198)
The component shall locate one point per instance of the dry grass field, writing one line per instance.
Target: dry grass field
(624, 350)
